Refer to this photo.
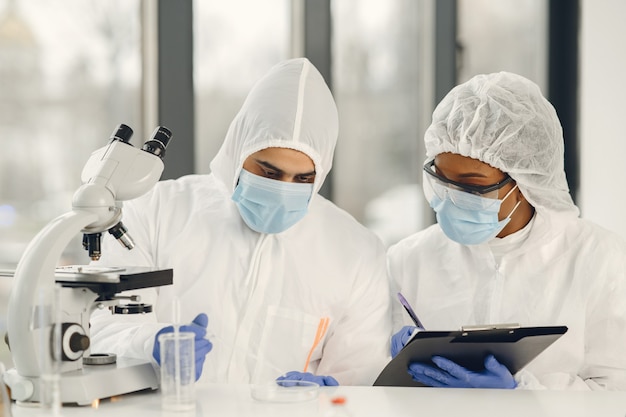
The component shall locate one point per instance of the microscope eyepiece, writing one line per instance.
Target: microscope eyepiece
(122, 132)
(158, 141)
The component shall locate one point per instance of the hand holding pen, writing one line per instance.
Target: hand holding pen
(400, 339)
(409, 310)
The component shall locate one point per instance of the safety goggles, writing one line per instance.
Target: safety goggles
(441, 185)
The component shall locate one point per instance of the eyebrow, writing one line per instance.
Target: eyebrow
(473, 175)
(274, 168)
(463, 175)
(466, 174)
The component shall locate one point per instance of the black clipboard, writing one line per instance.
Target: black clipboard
(514, 347)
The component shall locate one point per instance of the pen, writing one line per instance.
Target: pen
(409, 310)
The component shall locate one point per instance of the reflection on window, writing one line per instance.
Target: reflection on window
(70, 72)
(379, 154)
(235, 43)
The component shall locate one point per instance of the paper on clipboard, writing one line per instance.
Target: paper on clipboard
(514, 347)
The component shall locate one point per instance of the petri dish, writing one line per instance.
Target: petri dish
(285, 391)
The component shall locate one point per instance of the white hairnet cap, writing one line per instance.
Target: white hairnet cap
(502, 119)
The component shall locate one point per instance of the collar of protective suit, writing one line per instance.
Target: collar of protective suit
(290, 107)
(545, 226)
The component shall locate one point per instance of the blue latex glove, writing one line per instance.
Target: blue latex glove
(306, 376)
(399, 339)
(202, 346)
(448, 374)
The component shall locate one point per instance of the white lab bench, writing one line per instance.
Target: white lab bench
(226, 400)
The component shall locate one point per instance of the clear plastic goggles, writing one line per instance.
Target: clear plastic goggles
(458, 192)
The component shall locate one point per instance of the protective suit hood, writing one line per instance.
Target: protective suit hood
(502, 119)
(290, 107)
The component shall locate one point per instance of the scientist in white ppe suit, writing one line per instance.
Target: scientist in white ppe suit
(509, 246)
(271, 276)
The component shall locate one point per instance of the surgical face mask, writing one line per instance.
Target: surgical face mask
(467, 218)
(270, 206)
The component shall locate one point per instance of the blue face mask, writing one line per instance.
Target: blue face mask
(467, 218)
(270, 206)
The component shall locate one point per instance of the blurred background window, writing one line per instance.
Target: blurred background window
(235, 43)
(69, 80)
(377, 75)
(503, 35)
(70, 72)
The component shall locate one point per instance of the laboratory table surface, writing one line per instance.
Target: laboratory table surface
(226, 400)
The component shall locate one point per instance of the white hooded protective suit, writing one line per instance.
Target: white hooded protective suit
(265, 295)
(558, 270)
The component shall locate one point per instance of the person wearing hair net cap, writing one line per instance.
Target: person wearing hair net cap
(275, 277)
(509, 246)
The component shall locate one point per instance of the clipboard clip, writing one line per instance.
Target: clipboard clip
(500, 326)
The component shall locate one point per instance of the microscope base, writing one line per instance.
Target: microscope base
(95, 382)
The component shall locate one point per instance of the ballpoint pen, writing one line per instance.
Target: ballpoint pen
(409, 310)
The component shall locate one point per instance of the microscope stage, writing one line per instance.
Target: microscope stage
(108, 281)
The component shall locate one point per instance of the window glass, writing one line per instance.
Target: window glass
(376, 76)
(503, 35)
(235, 43)
(70, 73)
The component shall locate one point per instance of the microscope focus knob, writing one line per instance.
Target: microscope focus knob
(74, 341)
(79, 342)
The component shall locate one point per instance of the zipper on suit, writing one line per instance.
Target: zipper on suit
(239, 353)
(495, 303)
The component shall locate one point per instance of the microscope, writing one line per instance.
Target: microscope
(50, 307)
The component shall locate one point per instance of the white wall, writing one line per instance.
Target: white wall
(603, 113)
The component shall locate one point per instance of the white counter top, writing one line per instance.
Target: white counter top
(235, 400)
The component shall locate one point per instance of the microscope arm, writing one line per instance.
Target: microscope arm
(35, 271)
